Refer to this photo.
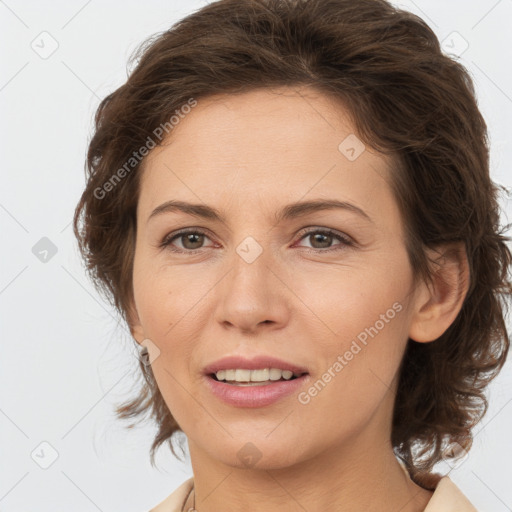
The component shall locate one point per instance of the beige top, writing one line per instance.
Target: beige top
(447, 497)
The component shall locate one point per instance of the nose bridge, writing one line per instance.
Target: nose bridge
(251, 293)
(250, 264)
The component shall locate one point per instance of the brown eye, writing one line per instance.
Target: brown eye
(192, 240)
(322, 240)
(189, 241)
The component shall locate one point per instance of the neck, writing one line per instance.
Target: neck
(338, 480)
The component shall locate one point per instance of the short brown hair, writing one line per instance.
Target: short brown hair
(407, 99)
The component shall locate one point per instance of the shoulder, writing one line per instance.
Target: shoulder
(174, 502)
(448, 497)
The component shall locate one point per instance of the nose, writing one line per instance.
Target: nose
(253, 295)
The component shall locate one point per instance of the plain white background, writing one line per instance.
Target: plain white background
(66, 360)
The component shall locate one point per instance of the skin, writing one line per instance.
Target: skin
(248, 156)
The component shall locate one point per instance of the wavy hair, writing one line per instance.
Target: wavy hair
(407, 99)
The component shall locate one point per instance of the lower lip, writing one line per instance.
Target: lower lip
(254, 396)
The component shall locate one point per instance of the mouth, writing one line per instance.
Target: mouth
(241, 392)
(259, 381)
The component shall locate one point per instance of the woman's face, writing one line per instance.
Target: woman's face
(270, 280)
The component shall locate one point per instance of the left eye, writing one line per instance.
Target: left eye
(325, 237)
(193, 240)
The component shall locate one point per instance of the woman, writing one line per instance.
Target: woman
(289, 202)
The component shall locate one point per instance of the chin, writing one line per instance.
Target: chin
(255, 452)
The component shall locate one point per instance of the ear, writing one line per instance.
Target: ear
(135, 326)
(437, 305)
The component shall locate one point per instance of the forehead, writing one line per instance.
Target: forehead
(269, 118)
(265, 145)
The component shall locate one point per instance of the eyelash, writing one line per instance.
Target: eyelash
(346, 241)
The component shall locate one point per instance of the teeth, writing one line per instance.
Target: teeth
(243, 375)
(260, 375)
(274, 374)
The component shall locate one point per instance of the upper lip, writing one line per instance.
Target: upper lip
(253, 363)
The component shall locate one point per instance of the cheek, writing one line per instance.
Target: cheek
(357, 377)
(166, 298)
(168, 305)
(172, 308)
(357, 301)
(362, 326)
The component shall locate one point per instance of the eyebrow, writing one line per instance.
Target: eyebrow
(289, 211)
